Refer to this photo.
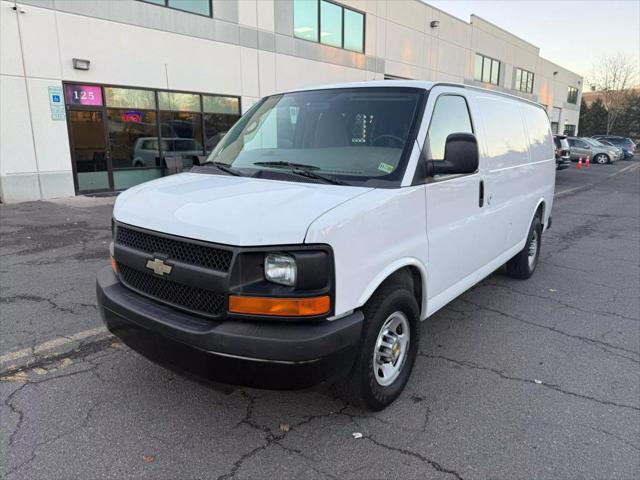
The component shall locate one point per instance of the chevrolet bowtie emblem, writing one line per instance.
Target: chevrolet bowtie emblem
(159, 267)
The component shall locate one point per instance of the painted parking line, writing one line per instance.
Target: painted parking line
(569, 191)
(50, 346)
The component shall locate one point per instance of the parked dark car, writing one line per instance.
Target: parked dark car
(563, 155)
(626, 144)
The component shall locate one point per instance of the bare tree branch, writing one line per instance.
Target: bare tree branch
(612, 77)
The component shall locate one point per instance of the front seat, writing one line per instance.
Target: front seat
(331, 131)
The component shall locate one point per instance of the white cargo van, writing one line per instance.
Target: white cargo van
(324, 227)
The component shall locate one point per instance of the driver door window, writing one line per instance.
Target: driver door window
(450, 115)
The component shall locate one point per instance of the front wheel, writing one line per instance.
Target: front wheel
(387, 351)
(524, 263)
(601, 159)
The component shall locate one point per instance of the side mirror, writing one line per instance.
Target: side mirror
(460, 156)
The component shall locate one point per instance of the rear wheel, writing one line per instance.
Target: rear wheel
(387, 350)
(524, 263)
(601, 159)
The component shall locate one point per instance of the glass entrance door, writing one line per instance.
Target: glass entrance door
(91, 153)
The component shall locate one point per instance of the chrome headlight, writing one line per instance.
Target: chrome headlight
(280, 268)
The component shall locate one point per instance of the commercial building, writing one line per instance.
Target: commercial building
(99, 95)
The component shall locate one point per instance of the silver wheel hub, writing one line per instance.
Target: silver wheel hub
(533, 249)
(392, 345)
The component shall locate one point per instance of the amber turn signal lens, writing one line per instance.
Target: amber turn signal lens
(114, 266)
(283, 307)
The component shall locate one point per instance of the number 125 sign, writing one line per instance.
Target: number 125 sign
(83, 95)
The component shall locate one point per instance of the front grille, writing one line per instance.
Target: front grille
(194, 299)
(183, 251)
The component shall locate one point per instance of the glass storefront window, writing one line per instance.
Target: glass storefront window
(182, 137)
(128, 131)
(305, 19)
(353, 30)
(215, 127)
(129, 138)
(330, 24)
(217, 104)
(130, 98)
(179, 102)
(89, 150)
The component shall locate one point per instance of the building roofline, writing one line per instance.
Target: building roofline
(473, 15)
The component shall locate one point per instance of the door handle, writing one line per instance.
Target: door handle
(481, 196)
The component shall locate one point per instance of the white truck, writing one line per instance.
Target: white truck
(325, 225)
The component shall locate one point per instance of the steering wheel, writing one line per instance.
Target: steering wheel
(385, 140)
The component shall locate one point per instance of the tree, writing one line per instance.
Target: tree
(629, 120)
(593, 119)
(612, 76)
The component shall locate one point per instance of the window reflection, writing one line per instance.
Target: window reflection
(330, 24)
(181, 140)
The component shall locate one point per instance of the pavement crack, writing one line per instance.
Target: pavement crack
(80, 352)
(592, 341)
(413, 454)
(563, 304)
(13, 409)
(551, 386)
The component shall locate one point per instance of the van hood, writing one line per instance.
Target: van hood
(230, 210)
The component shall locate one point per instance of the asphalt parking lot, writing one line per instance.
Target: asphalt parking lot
(518, 380)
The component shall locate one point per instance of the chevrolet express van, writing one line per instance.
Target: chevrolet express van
(325, 225)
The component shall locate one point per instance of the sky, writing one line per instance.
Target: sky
(573, 34)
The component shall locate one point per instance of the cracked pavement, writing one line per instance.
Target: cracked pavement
(534, 379)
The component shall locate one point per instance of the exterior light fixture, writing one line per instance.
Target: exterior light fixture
(434, 23)
(81, 64)
(555, 73)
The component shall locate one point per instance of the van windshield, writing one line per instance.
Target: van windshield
(357, 136)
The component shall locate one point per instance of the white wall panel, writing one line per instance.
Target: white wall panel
(266, 19)
(309, 72)
(10, 57)
(405, 45)
(249, 65)
(51, 138)
(248, 13)
(267, 73)
(39, 41)
(16, 143)
(407, 12)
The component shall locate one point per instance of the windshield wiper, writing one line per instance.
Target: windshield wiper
(224, 167)
(317, 176)
(287, 164)
(303, 170)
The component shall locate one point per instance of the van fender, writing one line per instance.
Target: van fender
(540, 201)
(389, 270)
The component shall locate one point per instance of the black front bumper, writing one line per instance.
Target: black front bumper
(261, 353)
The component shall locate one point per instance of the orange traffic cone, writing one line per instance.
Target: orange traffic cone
(579, 164)
(587, 162)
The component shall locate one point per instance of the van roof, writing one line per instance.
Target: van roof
(423, 84)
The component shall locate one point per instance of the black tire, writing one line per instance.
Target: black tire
(360, 387)
(602, 159)
(519, 266)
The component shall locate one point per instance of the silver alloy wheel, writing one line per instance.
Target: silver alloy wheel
(533, 250)
(601, 158)
(392, 346)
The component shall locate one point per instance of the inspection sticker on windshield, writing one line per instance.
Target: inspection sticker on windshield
(385, 167)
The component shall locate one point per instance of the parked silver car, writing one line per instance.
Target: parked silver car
(582, 147)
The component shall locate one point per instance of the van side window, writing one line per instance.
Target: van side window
(450, 115)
